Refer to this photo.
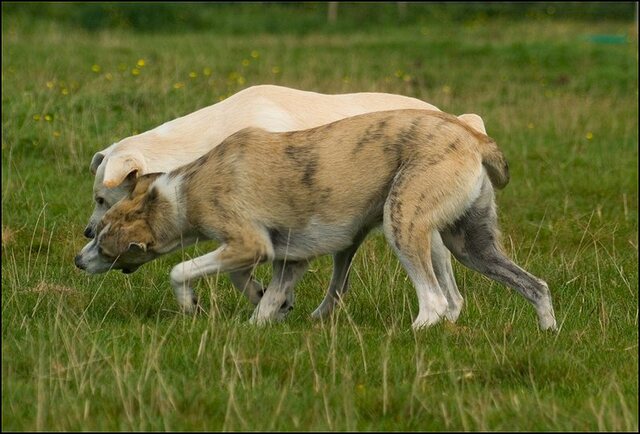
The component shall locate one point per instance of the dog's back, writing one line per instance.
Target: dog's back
(334, 180)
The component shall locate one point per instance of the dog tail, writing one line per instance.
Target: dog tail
(494, 162)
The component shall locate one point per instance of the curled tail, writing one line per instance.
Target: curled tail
(494, 161)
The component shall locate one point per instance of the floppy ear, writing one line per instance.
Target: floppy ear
(95, 162)
(99, 157)
(137, 247)
(120, 166)
(141, 186)
(474, 121)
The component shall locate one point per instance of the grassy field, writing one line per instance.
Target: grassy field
(111, 352)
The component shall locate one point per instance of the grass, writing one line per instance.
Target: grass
(111, 352)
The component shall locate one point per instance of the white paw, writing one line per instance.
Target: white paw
(548, 322)
(426, 320)
(266, 312)
(546, 316)
(262, 320)
(188, 304)
(432, 315)
(453, 312)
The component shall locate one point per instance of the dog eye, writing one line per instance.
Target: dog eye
(100, 200)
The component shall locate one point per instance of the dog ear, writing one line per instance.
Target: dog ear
(137, 247)
(99, 157)
(95, 162)
(474, 121)
(123, 166)
(142, 183)
(152, 195)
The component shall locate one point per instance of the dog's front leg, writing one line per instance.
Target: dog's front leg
(245, 283)
(279, 293)
(227, 258)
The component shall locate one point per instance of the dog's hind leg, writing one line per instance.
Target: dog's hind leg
(408, 227)
(339, 285)
(473, 240)
(278, 296)
(244, 282)
(339, 280)
(416, 259)
(441, 260)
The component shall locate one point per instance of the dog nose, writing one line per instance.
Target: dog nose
(88, 233)
(78, 262)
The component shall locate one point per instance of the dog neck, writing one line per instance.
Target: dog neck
(170, 223)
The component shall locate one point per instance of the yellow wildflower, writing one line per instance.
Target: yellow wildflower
(140, 63)
(245, 62)
(48, 118)
(135, 71)
(589, 135)
(206, 71)
(275, 70)
(178, 85)
(193, 74)
(36, 117)
(255, 54)
(95, 68)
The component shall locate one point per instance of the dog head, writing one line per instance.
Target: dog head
(124, 237)
(115, 176)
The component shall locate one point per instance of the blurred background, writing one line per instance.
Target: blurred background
(303, 18)
(557, 87)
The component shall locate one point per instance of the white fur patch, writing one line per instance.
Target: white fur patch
(169, 188)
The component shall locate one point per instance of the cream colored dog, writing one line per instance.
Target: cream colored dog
(182, 140)
(290, 197)
(273, 108)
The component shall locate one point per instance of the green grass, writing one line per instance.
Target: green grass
(111, 352)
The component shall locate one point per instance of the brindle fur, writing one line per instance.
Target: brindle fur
(289, 197)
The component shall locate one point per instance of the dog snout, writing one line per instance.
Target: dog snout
(79, 263)
(88, 233)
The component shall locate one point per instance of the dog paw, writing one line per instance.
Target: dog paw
(426, 320)
(452, 313)
(548, 322)
(261, 320)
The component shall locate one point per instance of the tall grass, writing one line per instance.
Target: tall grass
(112, 352)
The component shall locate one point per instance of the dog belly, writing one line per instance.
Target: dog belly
(316, 239)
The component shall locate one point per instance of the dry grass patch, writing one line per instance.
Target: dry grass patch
(43, 286)
(8, 235)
